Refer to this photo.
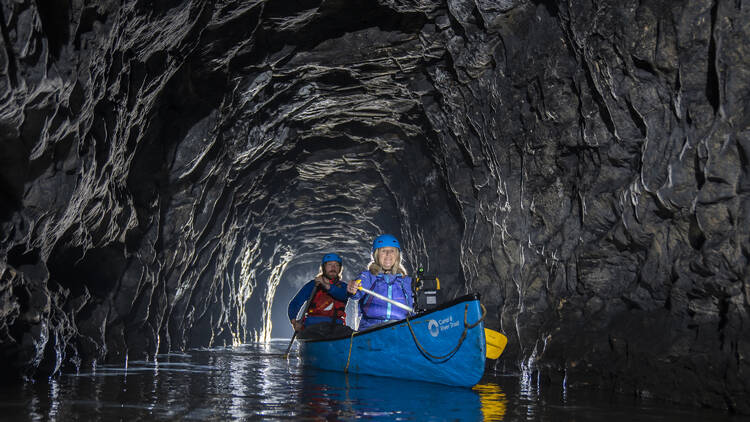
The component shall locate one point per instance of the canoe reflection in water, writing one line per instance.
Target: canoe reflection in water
(336, 395)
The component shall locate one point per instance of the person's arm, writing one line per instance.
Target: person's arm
(298, 300)
(339, 292)
(366, 280)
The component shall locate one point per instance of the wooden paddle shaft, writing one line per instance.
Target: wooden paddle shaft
(381, 297)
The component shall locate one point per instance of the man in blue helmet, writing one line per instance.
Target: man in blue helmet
(387, 276)
(325, 316)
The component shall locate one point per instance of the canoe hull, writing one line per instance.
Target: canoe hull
(442, 348)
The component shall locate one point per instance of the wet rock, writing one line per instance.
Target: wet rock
(165, 168)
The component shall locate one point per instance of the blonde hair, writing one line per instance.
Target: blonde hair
(375, 268)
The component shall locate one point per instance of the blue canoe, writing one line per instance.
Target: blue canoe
(445, 345)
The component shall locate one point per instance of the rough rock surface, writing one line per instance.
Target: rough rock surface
(582, 164)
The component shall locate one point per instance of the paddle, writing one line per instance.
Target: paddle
(495, 343)
(381, 297)
(307, 306)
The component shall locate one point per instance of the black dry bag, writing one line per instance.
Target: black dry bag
(426, 292)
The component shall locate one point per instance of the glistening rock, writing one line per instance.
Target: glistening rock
(583, 165)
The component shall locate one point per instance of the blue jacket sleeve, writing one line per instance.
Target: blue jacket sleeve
(299, 299)
(339, 292)
(366, 279)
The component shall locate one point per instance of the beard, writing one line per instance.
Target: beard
(331, 275)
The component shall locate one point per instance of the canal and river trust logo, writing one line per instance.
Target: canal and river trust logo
(435, 327)
(432, 325)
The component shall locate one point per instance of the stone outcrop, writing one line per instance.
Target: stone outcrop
(583, 165)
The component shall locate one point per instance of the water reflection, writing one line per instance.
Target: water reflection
(529, 391)
(334, 395)
(256, 382)
(493, 401)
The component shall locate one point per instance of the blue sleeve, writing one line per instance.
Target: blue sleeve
(299, 299)
(366, 279)
(339, 292)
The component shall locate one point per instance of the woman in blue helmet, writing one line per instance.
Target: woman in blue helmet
(387, 276)
(326, 315)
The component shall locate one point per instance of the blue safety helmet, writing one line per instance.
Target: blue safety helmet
(330, 257)
(385, 240)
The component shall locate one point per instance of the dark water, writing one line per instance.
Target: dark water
(255, 382)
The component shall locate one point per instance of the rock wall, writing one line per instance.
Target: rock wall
(583, 165)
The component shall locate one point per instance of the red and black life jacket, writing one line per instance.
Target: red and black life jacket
(324, 305)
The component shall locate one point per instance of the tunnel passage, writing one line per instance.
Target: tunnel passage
(171, 170)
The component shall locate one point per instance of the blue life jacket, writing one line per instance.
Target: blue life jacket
(375, 311)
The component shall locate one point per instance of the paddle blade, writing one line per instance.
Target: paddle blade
(495, 343)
